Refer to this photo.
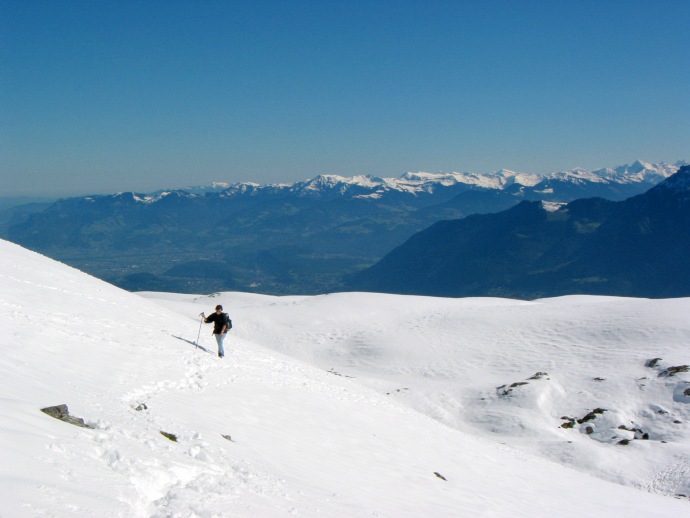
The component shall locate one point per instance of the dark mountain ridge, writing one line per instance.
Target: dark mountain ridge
(637, 247)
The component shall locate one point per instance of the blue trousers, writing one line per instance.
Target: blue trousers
(219, 339)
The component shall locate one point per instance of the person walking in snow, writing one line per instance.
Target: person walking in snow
(221, 325)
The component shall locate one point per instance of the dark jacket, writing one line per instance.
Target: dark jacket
(218, 322)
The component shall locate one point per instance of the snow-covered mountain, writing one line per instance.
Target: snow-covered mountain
(299, 238)
(637, 247)
(420, 183)
(345, 405)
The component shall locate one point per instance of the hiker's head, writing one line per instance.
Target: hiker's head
(219, 308)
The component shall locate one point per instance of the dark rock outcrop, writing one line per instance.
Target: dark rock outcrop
(61, 412)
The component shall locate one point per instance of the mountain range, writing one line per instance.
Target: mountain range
(636, 247)
(299, 238)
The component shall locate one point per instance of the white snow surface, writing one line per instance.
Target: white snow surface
(344, 405)
(552, 206)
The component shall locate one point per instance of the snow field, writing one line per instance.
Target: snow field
(456, 359)
(304, 438)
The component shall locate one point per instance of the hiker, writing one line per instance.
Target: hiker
(221, 324)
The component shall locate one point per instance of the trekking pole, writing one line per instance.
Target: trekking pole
(199, 335)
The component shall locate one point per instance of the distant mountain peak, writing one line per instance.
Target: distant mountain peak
(639, 165)
(641, 171)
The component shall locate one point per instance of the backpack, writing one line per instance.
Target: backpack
(229, 322)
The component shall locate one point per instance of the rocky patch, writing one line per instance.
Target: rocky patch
(672, 371)
(652, 363)
(332, 371)
(604, 431)
(668, 371)
(570, 422)
(61, 412)
(506, 390)
(639, 434)
(170, 436)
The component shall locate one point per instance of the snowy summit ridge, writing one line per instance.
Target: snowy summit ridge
(424, 182)
(415, 183)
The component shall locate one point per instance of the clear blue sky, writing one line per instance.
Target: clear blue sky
(106, 96)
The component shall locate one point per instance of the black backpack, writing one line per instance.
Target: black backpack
(228, 321)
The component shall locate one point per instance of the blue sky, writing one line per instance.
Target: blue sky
(102, 96)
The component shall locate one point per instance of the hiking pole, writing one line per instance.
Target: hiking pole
(198, 335)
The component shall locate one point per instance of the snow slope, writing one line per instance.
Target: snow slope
(299, 440)
(510, 370)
